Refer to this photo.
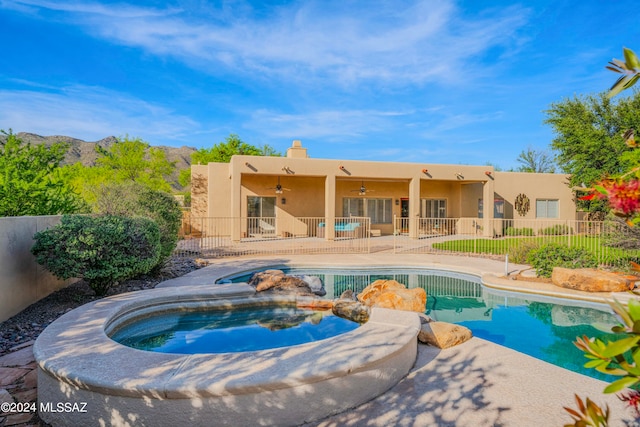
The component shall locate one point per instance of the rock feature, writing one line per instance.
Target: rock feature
(443, 334)
(351, 310)
(394, 295)
(591, 280)
(314, 283)
(314, 303)
(348, 294)
(276, 281)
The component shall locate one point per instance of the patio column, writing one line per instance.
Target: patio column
(329, 207)
(236, 205)
(414, 207)
(487, 210)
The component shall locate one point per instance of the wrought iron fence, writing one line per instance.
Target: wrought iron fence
(607, 240)
(220, 237)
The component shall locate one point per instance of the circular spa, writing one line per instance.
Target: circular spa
(290, 384)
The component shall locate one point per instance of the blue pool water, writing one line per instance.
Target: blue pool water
(229, 331)
(541, 327)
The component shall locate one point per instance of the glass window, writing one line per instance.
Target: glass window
(433, 208)
(379, 210)
(547, 208)
(258, 207)
(352, 207)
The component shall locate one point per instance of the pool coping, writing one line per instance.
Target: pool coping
(77, 360)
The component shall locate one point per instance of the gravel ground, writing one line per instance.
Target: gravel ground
(30, 322)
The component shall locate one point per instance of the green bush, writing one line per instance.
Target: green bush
(519, 253)
(550, 255)
(102, 250)
(555, 230)
(137, 200)
(525, 231)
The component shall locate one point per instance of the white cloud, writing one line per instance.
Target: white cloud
(91, 114)
(398, 43)
(331, 125)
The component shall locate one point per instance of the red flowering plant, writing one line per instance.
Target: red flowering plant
(621, 357)
(623, 195)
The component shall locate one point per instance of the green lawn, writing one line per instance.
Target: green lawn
(501, 246)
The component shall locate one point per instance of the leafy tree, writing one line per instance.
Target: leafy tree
(133, 160)
(589, 135)
(590, 139)
(30, 182)
(127, 161)
(535, 161)
(222, 152)
(136, 200)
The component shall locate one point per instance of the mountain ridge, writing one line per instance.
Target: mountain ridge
(85, 151)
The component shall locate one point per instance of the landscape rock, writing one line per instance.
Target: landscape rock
(276, 281)
(348, 294)
(590, 280)
(394, 295)
(351, 310)
(315, 284)
(443, 334)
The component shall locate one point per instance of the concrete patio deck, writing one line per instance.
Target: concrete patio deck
(475, 384)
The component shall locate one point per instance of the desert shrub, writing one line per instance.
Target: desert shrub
(519, 253)
(555, 230)
(550, 255)
(102, 250)
(134, 200)
(618, 234)
(525, 231)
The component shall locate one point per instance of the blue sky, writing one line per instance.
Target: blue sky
(463, 82)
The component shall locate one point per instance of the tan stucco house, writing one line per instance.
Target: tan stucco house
(297, 186)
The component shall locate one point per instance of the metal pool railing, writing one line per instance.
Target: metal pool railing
(226, 236)
(221, 237)
(604, 239)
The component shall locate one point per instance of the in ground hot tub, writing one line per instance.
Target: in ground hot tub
(124, 386)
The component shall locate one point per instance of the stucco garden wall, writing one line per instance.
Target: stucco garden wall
(23, 281)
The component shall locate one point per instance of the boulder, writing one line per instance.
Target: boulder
(276, 281)
(314, 283)
(371, 292)
(443, 334)
(590, 280)
(393, 295)
(351, 310)
(348, 294)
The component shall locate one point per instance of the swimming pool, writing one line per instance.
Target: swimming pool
(539, 326)
(229, 330)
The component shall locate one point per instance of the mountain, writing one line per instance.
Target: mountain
(85, 152)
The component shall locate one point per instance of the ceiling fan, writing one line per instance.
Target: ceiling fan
(279, 188)
(362, 190)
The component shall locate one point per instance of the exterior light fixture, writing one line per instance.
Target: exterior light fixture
(397, 202)
(284, 201)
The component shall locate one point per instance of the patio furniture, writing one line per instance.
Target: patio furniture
(343, 229)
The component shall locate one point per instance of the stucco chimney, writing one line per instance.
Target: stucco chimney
(297, 150)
